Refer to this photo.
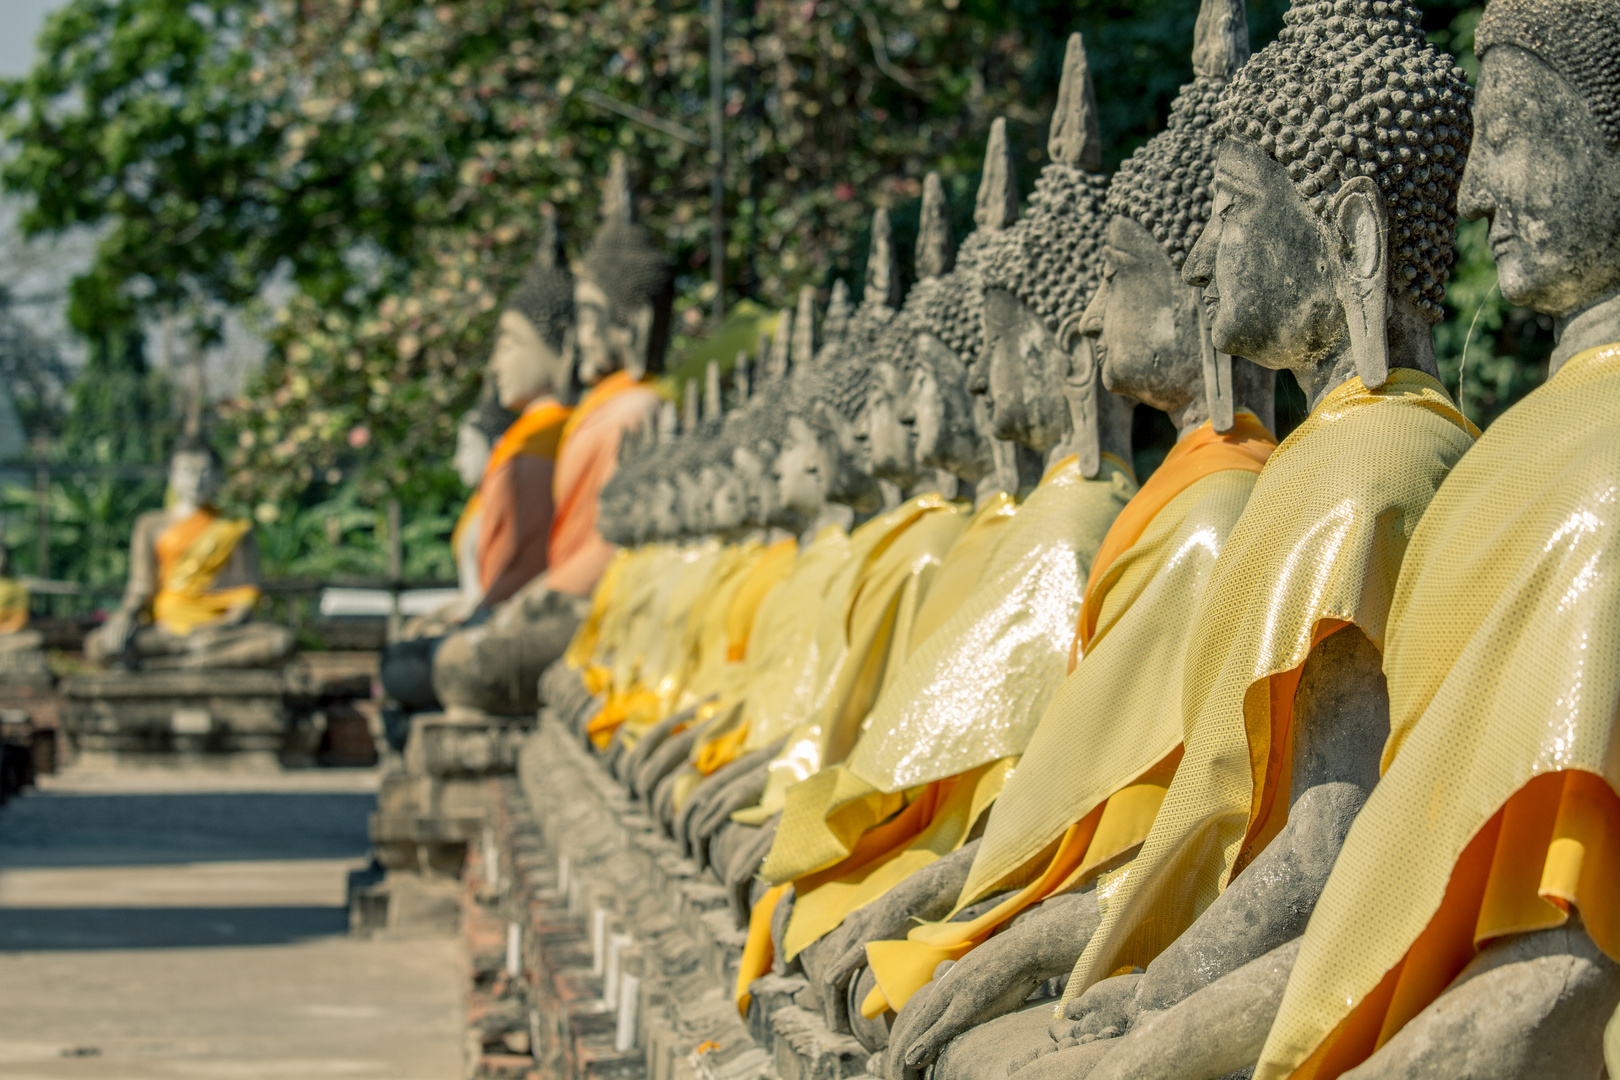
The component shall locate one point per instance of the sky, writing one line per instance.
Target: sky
(20, 21)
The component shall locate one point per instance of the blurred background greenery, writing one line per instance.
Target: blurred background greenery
(364, 179)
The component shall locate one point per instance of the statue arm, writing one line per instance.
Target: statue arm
(242, 568)
(143, 583)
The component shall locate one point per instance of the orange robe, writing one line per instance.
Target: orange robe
(586, 460)
(515, 501)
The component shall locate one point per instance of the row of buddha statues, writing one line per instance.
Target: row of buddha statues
(1296, 759)
(1293, 759)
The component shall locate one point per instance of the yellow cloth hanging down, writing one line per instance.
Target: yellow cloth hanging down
(582, 647)
(779, 635)
(13, 606)
(599, 651)
(1318, 547)
(1103, 752)
(892, 561)
(960, 708)
(773, 567)
(1497, 811)
(640, 665)
(707, 636)
(191, 554)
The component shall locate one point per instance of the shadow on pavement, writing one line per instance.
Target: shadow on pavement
(50, 829)
(42, 929)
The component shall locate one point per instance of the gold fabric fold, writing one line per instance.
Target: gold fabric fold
(1503, 661)
(1319, 545)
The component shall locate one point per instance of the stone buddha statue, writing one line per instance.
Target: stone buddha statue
(503, 536)
(193, 584)
(622, 297)
(1326, 254)
(1468, 927)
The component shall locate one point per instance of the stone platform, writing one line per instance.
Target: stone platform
(251, 716)
(625, 954)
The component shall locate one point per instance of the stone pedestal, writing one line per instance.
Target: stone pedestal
(244, 717)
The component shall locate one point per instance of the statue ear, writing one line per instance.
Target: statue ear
(1217, 372)
(641, 324)
(1362, 220)
(1080, 386)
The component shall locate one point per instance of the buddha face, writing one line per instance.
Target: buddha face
(193, 478)
(1541, 173)
(525, 365)
(663, 517)
(729, 502)
(885, 441)
(472, 454)
(1021, 370)
(939, 410)
(1143, 322)
(802, 469)
(1268, 267)
(606, 345)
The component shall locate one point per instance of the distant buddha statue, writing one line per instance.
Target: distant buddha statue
(501, 540)
(193, 584)
(621, 307)
(1326, 254)
(1471, 926)
(14, 613)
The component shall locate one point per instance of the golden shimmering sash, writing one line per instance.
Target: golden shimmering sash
(1497, 811)
(191, 553)
(1318, 546)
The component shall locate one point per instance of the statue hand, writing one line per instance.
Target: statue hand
(995, 978)
(1104, 1011)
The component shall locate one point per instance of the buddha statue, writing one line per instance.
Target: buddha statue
(530, 373)
(1326, 254)
(193, 583)
(621, 304)
(1469, 925)
(953, 721)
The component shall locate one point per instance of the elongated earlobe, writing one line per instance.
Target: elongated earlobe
(1080, 388)
(1361, 217)
(1217, 374)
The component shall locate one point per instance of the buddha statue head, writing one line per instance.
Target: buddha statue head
(1038, 277)
(480, 429)
(1335, 197)
(624, 291)
(1149, 335)
(821, 460)
(195, 474)
(949, 426)
(534, 337)
(887, 441)
(1545, 162)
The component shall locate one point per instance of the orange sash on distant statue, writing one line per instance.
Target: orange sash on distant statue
(190, 554)
(13, 606)
(515, 501)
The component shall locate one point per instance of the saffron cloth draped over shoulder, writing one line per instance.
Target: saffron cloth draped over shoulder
(193, 556)
(513, 502)
(1318, 547)
(1497, 812)
(589, 452)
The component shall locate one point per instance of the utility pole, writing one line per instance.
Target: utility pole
(717, 154)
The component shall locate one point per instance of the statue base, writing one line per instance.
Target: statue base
(242, 717)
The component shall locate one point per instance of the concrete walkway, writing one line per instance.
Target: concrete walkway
(158, 925)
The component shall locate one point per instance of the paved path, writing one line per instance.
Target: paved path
(190, 926)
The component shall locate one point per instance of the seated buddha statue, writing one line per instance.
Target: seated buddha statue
(621, 304)
(1469, 927)
(1327, 256)
(952, 722)
(193, 584)
(504, 531)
